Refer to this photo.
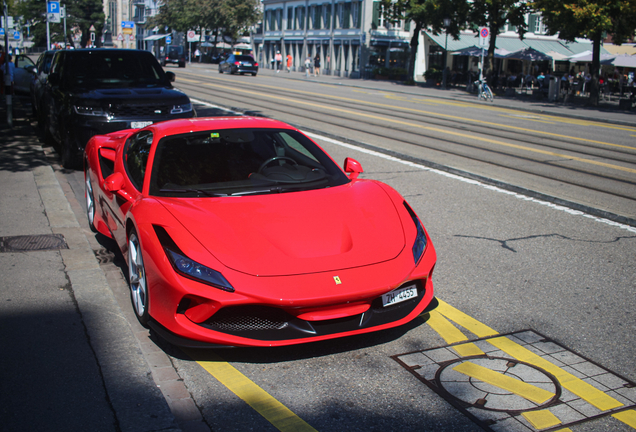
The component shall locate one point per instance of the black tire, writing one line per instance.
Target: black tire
(220, 70)
(137, 279)
(253, 74)
(70, 158)
(90, 201)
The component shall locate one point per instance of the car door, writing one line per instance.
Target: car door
(129, 184)
(23, 75)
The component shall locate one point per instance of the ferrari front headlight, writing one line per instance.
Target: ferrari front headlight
(193, 270)
(420, 239)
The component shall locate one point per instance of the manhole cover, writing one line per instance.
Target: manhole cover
(32, 243)
(522, 381)
(498, 384)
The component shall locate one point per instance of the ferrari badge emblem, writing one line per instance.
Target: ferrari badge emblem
(337, 280)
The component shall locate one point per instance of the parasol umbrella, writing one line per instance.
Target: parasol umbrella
(474, 51)
(625, 60)
(528, 54)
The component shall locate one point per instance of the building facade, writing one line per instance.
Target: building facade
(350, 37)
(126, 23)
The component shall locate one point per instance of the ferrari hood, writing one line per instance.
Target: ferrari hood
(295, 233)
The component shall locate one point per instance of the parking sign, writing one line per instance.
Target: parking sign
(53, 7)
(53, 11)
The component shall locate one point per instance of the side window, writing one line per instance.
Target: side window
(136, 157)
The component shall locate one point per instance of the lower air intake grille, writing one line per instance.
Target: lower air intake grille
(252, 318)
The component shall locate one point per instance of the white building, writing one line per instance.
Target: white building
(347, 35)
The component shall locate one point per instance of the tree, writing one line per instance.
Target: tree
(427, 14)
(80, 16)
(494, 14)
(229, 18)
(591, 19)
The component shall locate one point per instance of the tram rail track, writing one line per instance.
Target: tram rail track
(427, 133)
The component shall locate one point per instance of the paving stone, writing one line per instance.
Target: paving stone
(547, 347)
(567, 357)
(416, 359)
(510, 425)
(589, 369)
(529, 337)
(441, 355)
(610, 380)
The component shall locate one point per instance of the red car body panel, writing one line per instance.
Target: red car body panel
(296, 233)
(317, 256)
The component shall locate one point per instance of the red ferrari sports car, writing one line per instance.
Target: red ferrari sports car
(242, 231)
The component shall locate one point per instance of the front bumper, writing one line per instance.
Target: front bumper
(277, 311)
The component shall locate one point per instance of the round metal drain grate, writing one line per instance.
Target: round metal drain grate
(32, 243)
(498, 384)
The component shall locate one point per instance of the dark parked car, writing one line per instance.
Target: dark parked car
(174, 54)
(38, 84)
(97, 91)
(239, 64)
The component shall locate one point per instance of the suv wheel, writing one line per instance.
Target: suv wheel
(70, 158)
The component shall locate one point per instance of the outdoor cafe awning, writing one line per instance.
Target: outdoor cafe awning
(155, 37)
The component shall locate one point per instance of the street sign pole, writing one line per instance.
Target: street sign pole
(48, 30)
(8, 98)
(484, 36)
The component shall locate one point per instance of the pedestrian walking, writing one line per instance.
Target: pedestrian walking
(279, 60)
(290, 59)
(307, 66)
(317, 65)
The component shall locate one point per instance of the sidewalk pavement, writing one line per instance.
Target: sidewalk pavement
(70, 361)
(608, 110)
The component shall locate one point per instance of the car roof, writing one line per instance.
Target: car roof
(197, 124)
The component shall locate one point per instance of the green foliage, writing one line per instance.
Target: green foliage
(494, 14)
(589, 18)
(80, 16)
(433, 74)
(228, 18)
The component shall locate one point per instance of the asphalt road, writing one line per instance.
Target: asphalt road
(509, 262)
(585, 162)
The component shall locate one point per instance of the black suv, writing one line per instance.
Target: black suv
(174, 54)
(98, 91)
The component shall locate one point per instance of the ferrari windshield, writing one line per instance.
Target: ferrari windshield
(241, 162)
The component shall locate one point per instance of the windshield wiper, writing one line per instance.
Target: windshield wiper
(199, 191)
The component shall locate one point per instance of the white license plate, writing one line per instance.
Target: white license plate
(139, 125)
(399, 295)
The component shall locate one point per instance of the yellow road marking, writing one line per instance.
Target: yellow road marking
(437, 101)
(446, 132)
(541, 419)
(577, 386)
(506, 382)
(445, 328)
(628, 417)
(466, 321)
(468, 349)
(526, 119)
(272, 410)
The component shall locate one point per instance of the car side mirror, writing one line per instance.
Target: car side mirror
(171, 76)
(353, 168)
(114, 182)
(32, 69)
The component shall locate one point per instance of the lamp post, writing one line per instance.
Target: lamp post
(447, 22)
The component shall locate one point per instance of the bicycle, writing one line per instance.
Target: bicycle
(483, 90)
